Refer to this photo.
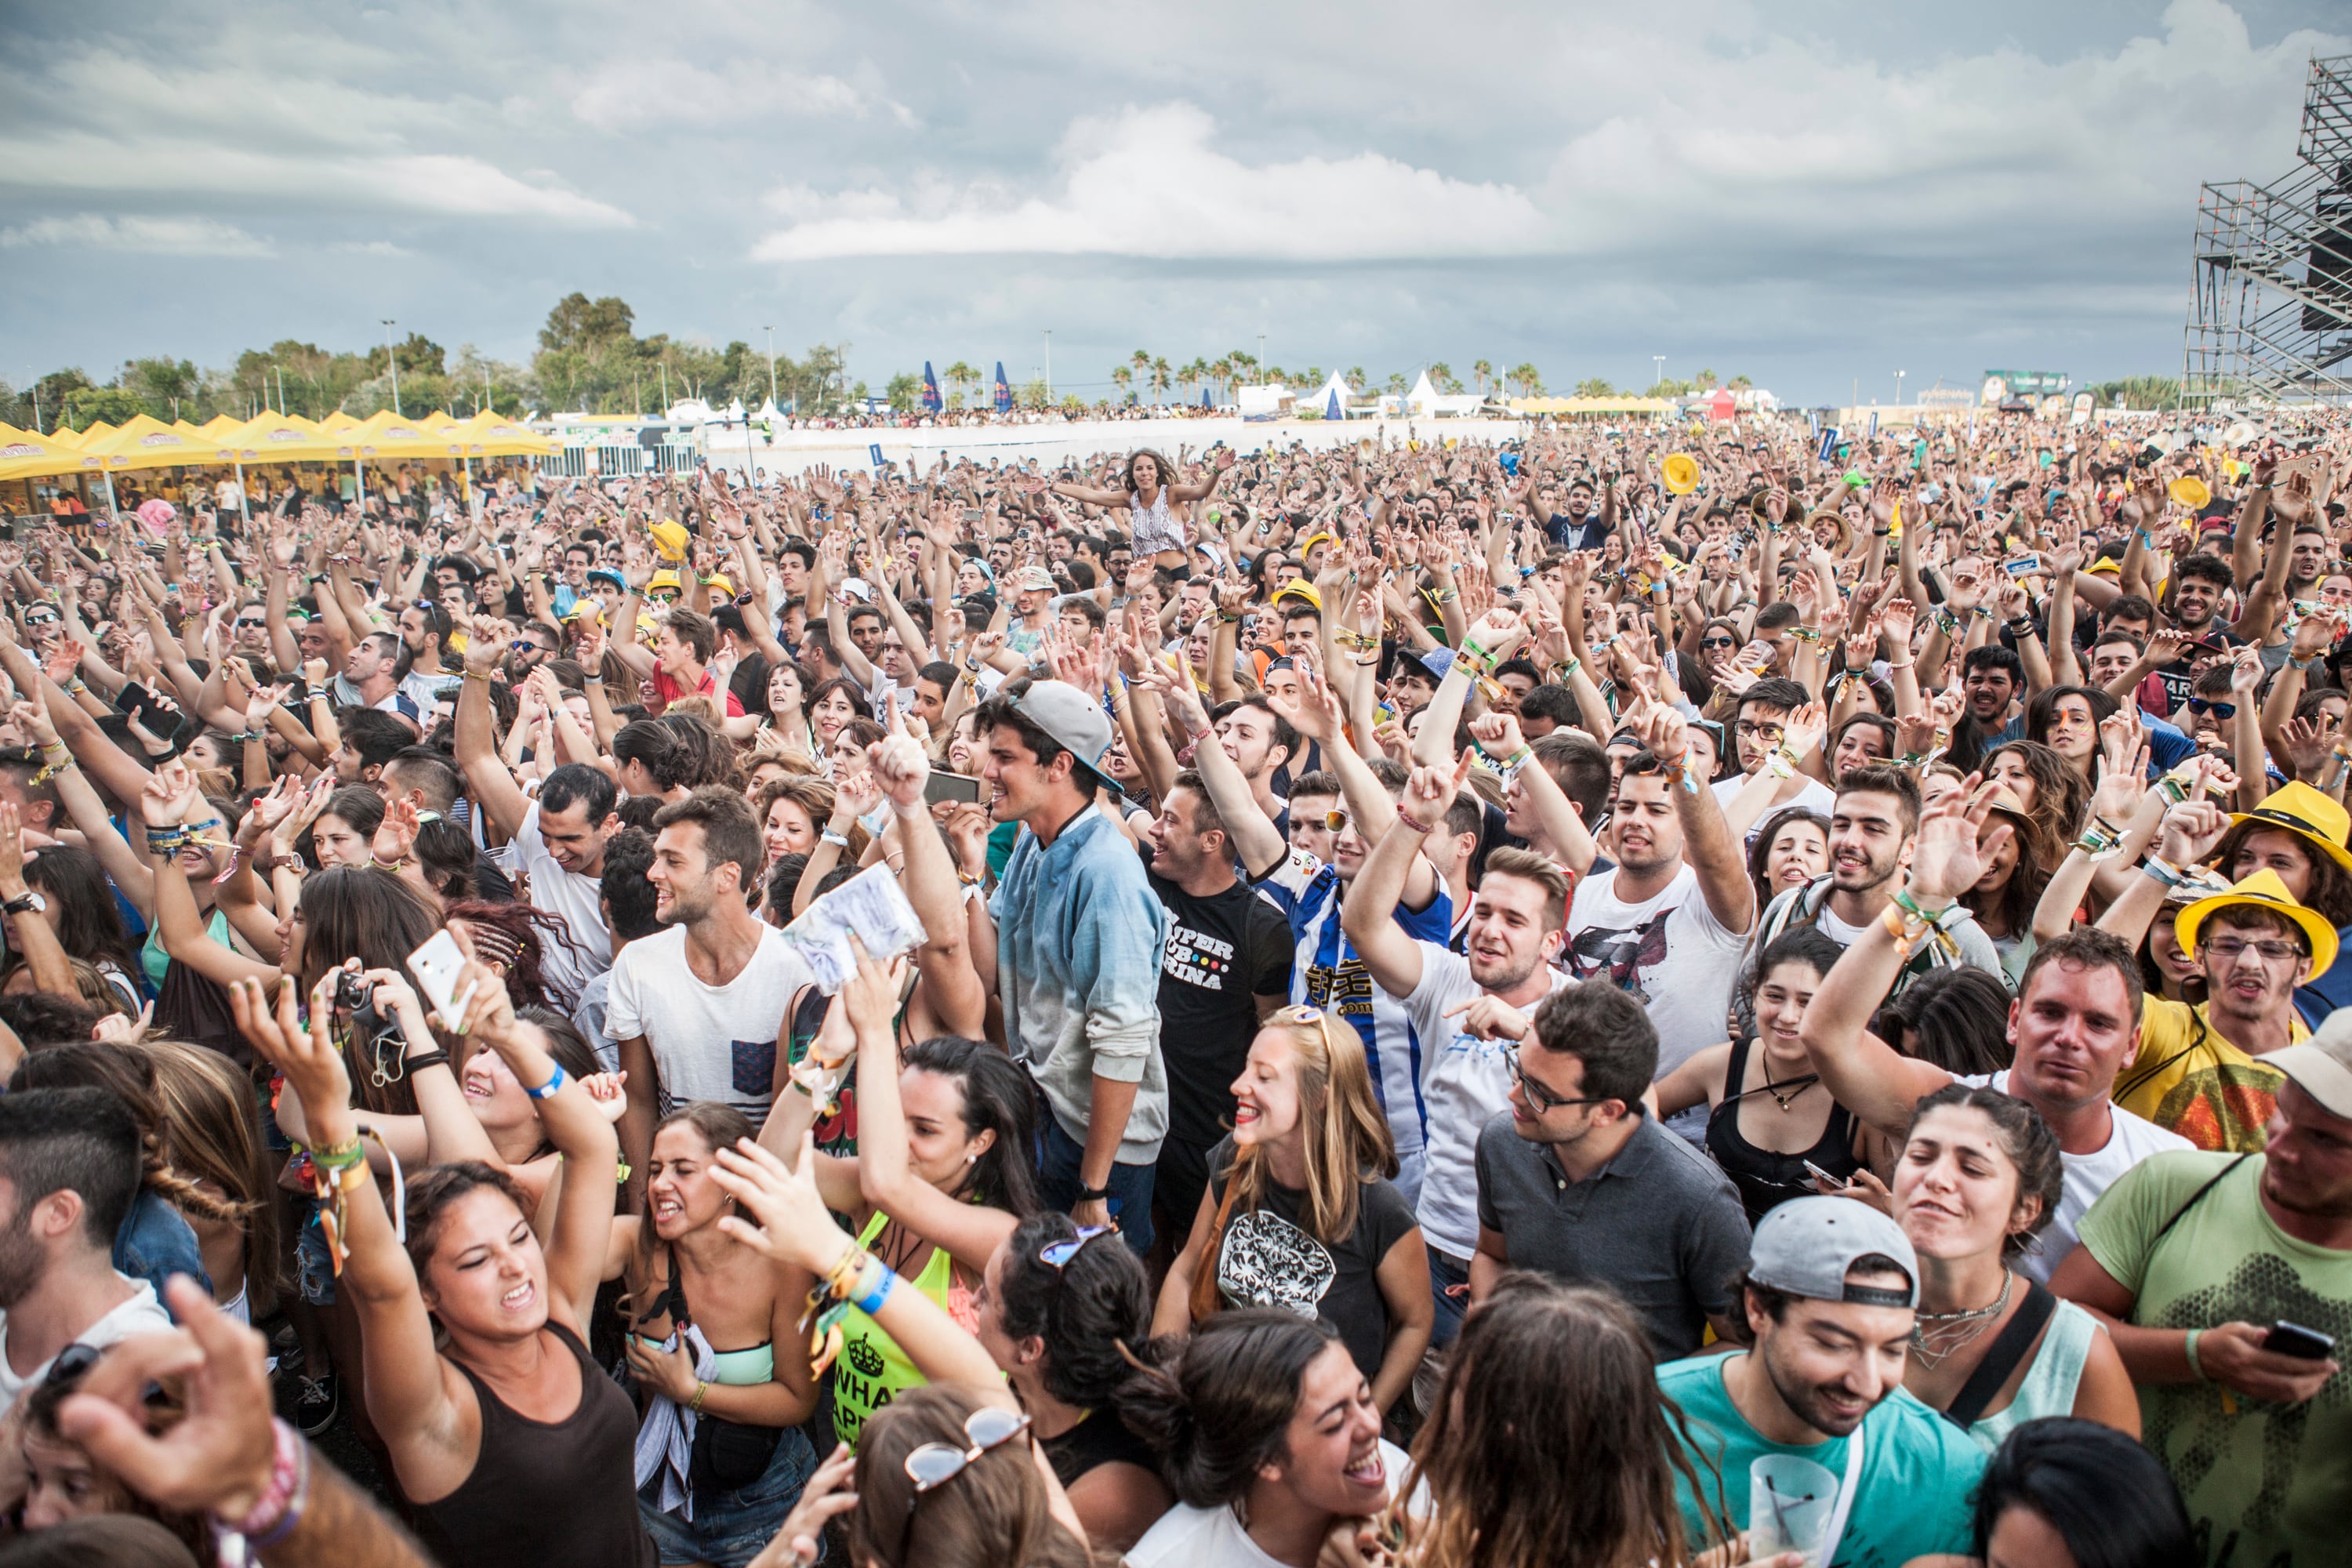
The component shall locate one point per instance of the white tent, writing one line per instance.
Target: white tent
(1333, 398)
(1268, 402)
(1424, 399)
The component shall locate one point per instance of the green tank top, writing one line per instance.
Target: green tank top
(156, 963)
(871, 1370)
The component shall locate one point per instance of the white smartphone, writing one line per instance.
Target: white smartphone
(1825, 1177)
(437, 966)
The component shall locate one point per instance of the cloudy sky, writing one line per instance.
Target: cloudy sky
(1814, 192)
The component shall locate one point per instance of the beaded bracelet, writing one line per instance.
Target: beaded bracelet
(279, 1507)
(1422, 828)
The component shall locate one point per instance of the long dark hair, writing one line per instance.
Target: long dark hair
(81, 910)
(1550, 1442)
(524, 929)
(1090, 1313)
(996, 1098)
(2109, 1498)
(1216, 1407)
(1956, 1019)
(355, 911)
(2060, 796)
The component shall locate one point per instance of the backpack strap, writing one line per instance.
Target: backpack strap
(2008, 1349)
(2194, 1199)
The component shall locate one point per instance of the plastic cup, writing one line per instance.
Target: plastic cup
(1789, 1502)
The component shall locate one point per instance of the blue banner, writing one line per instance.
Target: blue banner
(1004, 390)
(931, 403)
(877, 449)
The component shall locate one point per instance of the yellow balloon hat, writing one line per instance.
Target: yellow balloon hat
(1682, 473)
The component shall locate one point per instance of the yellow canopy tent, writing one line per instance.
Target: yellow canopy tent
(219, 424)
(393, 437)
(504, 437)
(147, 443)
(1573, 405)
(27, 456)
(337, 422)
(98, 432)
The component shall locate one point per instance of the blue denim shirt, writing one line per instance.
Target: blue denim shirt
(1079, 936)
(156, 1243)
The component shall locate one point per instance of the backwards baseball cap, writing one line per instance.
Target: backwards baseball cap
(1074, 720)
(1806, 1245)
(2322, 1065)
(1037, 580)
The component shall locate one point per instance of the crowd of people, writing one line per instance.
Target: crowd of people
(1663, 996)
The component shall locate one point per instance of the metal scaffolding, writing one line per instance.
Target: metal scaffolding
(2272, 320)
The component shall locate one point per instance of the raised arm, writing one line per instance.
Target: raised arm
(487, 783)
(1254, 835)
(1369, 913)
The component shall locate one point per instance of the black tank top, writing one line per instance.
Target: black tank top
(1101, 1439)
(562, 1491)
(1765, 1177)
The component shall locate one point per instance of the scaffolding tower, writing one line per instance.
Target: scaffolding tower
(2272, 320)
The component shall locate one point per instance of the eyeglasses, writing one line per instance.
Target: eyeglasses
(2230, 949)
(1719, 642)
(1772, 732)
(2218, 709)
(934, 1465)
(1542, 1100)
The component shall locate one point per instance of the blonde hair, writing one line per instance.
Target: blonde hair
(1346, 1135)
(212, 1131)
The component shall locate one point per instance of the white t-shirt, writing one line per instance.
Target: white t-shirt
(1190, 1537)
(710, 1042)
(2132, 1139)
(1467, 1079)
(576, 898)
(1669, 950)
(140, 1314)
(1815, 796)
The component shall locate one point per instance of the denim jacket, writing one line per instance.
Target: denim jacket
(155, 1243)
(1079, 935)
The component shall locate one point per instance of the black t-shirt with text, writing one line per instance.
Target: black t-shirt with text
(1223, 952)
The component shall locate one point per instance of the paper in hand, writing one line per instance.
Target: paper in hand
(870, 904)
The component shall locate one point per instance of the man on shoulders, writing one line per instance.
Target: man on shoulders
(1830, 1294)
(2074, 1026)
(1574, 1180)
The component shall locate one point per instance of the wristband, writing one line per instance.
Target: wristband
(701, 1392)
(2188, 1350)
(1422, 828)
(550, 1087)
(279, 1507)
(832, 837)
(437, 1058)
(2162, 870)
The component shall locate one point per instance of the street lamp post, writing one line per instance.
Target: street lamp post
(771, 364)
(1898, 388)
(1049, 364)
(1661, 376)
(394, 359)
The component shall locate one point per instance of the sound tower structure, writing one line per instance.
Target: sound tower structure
(2271, 320)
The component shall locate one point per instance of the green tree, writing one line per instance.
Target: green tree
(86, 405)
(1529, 381)
(1595, 386)
(1483, 371)
(1442, 377)
(2138, 392)
(959, 376)
(905, 391)
(1706, 379)
(577, 321)
(1031, 393)
(1397, 384)
(1158, 381)
(1123, 378)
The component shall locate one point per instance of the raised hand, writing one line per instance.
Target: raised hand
(1953, 845)
(898, 766)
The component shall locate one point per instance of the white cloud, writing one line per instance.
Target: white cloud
(370, 248)
(630, 94)
(159, 236)
(454, 184)
(1149, 183)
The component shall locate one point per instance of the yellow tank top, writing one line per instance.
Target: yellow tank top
(871, 1370)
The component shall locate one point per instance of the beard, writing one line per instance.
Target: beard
(22, 1261)
(1809, 1402)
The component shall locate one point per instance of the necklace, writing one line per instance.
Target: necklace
(1795, 1085)
(1937, 1337)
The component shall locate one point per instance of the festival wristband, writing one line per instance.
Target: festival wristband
(550, 1087)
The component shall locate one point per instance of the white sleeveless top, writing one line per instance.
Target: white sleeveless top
(2049, 1381)
(1156, 528)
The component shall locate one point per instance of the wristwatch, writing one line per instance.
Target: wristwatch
(1094, 1194)
(30, 899)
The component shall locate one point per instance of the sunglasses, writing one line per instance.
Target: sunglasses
(934, 1465)
(1058, 1255)
(2218, 709)
(1542, 1100)
(72, 1363)
(242, 625)
(1719, 642)
(1336, 821)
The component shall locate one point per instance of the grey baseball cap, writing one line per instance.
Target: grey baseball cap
(1805, 1246)
(1070, 716)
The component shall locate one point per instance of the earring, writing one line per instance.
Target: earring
(971, 1159)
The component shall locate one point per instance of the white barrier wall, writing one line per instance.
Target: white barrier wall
(795, 452)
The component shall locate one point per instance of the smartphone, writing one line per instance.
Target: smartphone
(2023, 566)
(942, 786)
(972, 514)
(1822, 1175)
(2294, 1339)
(437, 966)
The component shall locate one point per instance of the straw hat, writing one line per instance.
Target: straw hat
(2299, 808)
(2263, 891)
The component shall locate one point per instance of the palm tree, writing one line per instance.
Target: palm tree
(1122, 378)
(1530, 380)
(1442, 376)
(1397, 383)
(1160, 380)
(1141, 359)
(1483, 371)
(1312, 377)
(960, 376)
(1358, 379)
(1222, 372)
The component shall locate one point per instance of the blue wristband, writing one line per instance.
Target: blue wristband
(550, 1087)
(870, 1305)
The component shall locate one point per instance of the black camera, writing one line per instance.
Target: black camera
(353, 994)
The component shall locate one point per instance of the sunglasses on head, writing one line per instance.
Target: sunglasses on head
(933, 1465)
(1058, 1255)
